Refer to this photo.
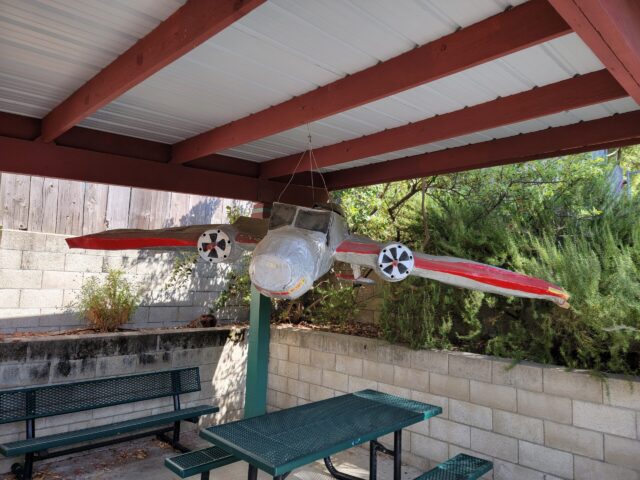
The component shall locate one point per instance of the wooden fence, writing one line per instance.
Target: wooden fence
(68, 207)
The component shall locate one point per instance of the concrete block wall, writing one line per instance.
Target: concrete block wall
(49, 360)
(40, 278)
(535, 422)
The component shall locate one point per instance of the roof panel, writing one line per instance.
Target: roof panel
(63, 43)
(287, 47)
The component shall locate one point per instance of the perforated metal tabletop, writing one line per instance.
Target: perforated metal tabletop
(282, 441)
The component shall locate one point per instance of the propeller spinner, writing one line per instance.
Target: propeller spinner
(395, 262)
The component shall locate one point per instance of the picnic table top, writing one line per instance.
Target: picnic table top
(281, 441)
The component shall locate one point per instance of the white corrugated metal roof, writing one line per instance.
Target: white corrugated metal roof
(49, 48)
(282, 49)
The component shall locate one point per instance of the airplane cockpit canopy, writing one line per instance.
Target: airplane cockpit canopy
(306, 218)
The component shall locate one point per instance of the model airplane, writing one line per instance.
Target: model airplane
(298, 245)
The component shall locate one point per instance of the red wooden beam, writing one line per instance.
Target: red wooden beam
(620, 129)
(611, 28)
(192, 24)
(523, 26)
(38, 158)
(573, 93)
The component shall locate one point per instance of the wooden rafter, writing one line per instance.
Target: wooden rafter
(622, 129)
(568, 94)
(191, 25)
(611, 29)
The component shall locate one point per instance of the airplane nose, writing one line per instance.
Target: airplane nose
(271, 272)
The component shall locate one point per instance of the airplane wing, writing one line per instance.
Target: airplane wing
(450, 270)
(246, 232)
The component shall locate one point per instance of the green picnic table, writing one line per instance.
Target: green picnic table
(280, 442)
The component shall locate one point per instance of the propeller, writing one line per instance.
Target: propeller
(395, 262)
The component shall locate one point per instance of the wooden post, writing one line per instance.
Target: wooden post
(258, 355)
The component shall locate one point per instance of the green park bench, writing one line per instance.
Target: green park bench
(32, 403)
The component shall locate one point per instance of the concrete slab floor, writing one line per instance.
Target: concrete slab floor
(144, 459)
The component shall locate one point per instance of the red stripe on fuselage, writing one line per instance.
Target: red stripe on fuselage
(356, 247)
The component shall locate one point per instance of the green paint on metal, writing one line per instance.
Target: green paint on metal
(258, 356)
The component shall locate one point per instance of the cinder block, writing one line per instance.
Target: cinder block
(622, 451)
(378, 372)
(190, 357)
(494, 396)
(20, 375)
(42, 261)
(411, 378)
(541, 405)
(357, 383)
(451, 432)
(284, 400)
(617, 421)
(430, 448)
(335, 380)
(494, 445)
(279, 351)
(394, 355)
(432, 360)
(290, 337)
(187, 314)
(522, 375)
(20, 240)
(335, 344)
(349, 365)
(437, 400)
(55, 243)
(470, 414)
(546, 459)
(62, 280)
(518, 426)
(326, 361)
(163, 315)
(116, 365)
(394, 390)
(20, 279)
(9, 298)
(470, 365)
(13, 318)
(621, 392)
(10, 259)
(588, 469)
(364, 348)
(80, 262)
(297, 388)
(299, 355)
(288, 369)
(508, 471)
(311, 374)
(574, 440)
(317, 393)
(453, 387)
(41, 298)
(575, 385)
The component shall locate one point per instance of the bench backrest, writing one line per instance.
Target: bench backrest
(36, 402)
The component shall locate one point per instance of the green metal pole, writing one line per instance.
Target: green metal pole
(255, 402)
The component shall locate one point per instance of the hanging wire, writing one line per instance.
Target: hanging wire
(313, 167)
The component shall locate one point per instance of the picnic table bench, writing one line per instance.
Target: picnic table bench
(32, 403)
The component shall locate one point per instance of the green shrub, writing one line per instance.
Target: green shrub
(108, 305)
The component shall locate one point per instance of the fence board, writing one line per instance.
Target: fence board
(75, 208)
(43, 204)
(95, 208)
(118, 207)
(14, 197)
(70, 207)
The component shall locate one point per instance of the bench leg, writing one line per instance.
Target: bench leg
(27, 472)
(204, 476)
(373, 460)
(252, 474)
(397, 455)
(176, 433)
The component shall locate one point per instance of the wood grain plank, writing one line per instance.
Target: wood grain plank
(70, 207)
(95, 208)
